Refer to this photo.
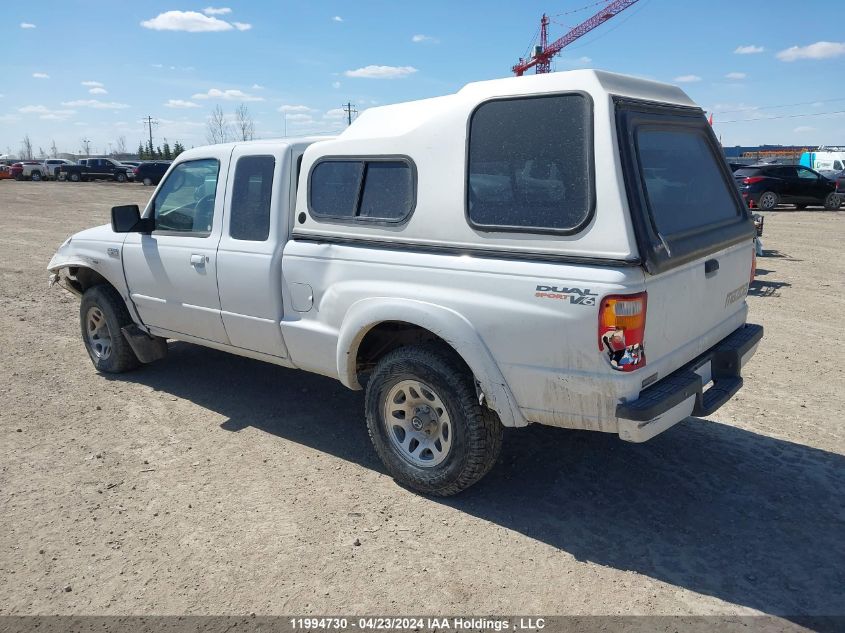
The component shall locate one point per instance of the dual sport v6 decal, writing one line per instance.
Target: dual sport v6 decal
(576, 296)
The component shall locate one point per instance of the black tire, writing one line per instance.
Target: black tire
(113, 312)
(74, 177)
(832, 202)
(120, 177)
(768, 200)
(475, 431)
(800, 207)
(35, 176)
(148, 181)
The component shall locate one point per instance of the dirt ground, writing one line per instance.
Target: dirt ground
(212, 484)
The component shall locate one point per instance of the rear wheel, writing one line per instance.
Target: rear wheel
(832, 202)
(426, 423)
(102, 314)
(768, 200)
(36, 176)
(148, 181)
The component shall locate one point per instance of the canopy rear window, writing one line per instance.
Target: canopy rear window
(683, 198)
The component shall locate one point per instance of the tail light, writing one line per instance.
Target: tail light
(752, 179)
(753, 262)
(135, 170)
(622, 330)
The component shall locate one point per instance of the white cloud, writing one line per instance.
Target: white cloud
(335, 113)
(46, 113)
(257, 87)
(181, 104)
(749, 50)
(687, 79)
(40, 75)
(27, 25)
(381, 72)
(91, 84)
(736, 76)
(420, 38)
(819, 50)
(227, 95)
(96, 104)
(579, 61)
(98, 91)
(299, 118)
(215, 11)
(335, 85)
(294, 108)
(192, 22)
(804, 128)
(337, 18)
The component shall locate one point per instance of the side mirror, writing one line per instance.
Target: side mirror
(127, 219)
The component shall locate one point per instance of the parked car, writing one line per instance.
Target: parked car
(460, 311)
(5, 172)
(28, 170)
(94, 169)
(51, 167)
(150, 173)
(766, 186)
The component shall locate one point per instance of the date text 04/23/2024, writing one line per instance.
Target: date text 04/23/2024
(411, 623)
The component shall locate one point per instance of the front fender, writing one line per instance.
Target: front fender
(449, 325)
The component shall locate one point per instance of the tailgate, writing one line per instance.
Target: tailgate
(694, 306)
(694, 234)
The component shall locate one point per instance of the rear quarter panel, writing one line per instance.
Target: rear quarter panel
(544, 342)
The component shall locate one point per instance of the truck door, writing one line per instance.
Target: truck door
(172, 273)
(249, 263)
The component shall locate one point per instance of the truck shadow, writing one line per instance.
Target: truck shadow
(746, 518)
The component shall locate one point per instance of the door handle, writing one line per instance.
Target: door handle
(197, 260)
(711, 266)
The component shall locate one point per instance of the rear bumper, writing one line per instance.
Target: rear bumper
(682, 394)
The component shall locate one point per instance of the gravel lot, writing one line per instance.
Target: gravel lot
(212, 484)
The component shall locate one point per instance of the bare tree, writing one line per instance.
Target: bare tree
(54, 152)
(26, 148)
(218, 129)
(245, 126)
(120, 145)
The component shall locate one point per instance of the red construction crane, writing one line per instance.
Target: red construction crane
(543, 52)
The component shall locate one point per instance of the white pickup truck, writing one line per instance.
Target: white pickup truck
(565, 249)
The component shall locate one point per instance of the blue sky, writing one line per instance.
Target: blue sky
(93, 69)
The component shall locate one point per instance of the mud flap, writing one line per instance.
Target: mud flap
(147, 348)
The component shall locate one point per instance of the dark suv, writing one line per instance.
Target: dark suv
(766, 186)
(151, 172)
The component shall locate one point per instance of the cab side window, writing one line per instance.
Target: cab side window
(185, 201)
(806, 174)
(251, 198)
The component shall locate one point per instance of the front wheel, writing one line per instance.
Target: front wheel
(75, 177)
(832, 202)
(769, 200)
(120, 177)
(102, 314)
(36, 176)
(426, 423)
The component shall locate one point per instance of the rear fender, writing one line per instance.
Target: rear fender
(447, 324)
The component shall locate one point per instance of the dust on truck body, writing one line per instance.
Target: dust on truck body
(565, 249)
